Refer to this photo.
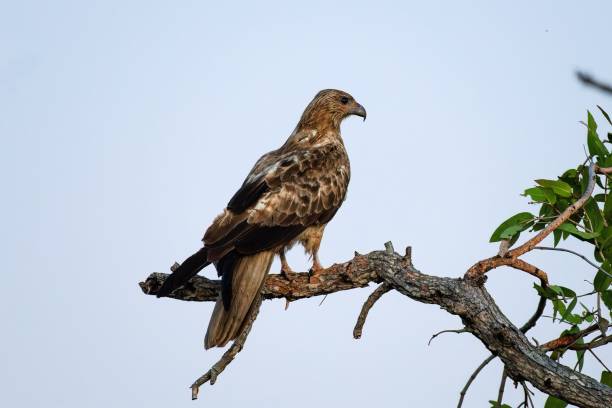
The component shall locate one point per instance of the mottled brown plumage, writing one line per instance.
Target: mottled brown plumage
(289, 196)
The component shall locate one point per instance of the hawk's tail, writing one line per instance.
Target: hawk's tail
(188, 269)
(243, 277)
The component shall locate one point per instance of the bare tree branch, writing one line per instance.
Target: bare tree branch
(598, 359)
(230, 354)
(481, 316)
(458, 331)
(529, 324)
(569, 339)
(338, 277)
(587, 260)
(472, 378)
(502, 387)
(588, 80)
(465, 298)
(603, 170)
(365, 309)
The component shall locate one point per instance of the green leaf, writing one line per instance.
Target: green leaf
(594, 216)
(571, 228)
(561, 188)
(605, 161)
(602, 281)
(550, 195)
(557, 237)
(511, 231)
(541, 194)
(570, 174)
(553, 402)
(545, 292)
(591, 124)
(603, 112)
(608, 207)
(495, 404)
(521, 220)
(606, 378)
(569, 309)
(584, 180)
(606, 296)
(580, 355)
(558, 307)
(596, 146)
(604, 245)
(545, 211)
(574, 319)
(562, 291)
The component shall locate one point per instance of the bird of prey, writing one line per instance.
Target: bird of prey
(289, 196)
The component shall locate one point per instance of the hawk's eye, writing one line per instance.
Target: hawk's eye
(344, 100)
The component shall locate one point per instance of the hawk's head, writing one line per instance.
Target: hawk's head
(330, 107)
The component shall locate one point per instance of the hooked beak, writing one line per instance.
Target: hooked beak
(359, 110)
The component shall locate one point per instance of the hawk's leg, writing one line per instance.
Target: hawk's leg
(311, 239)
(316, 264)
(285, 268)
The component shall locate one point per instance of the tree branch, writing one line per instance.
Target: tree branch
(458, 331)
(365, 309)
(568, 341)
(588, 80)
(587, 260)
(336, 278)
(529, 324)
(502, 386)
(481, 316)
(230, 354)
(472, 378)
(478, 270)
(462, 297)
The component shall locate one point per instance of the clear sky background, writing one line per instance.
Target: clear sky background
(126, 126)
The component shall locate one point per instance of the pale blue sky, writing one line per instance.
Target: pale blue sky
(126, 127)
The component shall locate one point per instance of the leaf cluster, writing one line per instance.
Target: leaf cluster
(592, 224)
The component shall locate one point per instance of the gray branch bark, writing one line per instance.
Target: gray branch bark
(466, 298)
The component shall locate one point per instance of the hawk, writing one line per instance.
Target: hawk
(289, 196)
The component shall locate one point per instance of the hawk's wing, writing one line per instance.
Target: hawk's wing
(284, 194)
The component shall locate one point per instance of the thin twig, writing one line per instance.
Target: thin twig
(598, 359)
(472, 378)
(565, 215)
(603, 170)
(601, 341)
(568, 340)
(587, 260)
(485, 265)
(527, 391)
(588, 80)
(502, 385)
(230, 354)
(365, 309)
(446, 331)
(530, 269)
(529, 324)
